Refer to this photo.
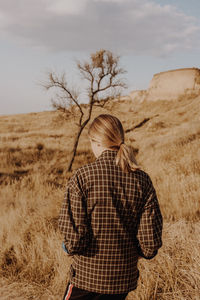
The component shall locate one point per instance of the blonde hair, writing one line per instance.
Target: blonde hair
(108, 131)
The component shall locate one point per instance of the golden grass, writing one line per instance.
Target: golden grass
(33, 155)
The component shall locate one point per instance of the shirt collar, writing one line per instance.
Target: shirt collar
(107, 154)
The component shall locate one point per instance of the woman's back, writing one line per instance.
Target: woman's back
(114, 217)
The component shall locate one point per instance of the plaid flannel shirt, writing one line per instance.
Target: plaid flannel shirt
(109, 218)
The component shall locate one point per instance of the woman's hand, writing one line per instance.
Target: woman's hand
(64, 248)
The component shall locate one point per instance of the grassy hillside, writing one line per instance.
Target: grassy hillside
(34, 151)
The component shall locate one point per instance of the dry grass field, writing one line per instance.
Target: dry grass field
(34, 150)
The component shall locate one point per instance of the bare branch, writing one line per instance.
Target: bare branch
(86, 70)
(68, 94)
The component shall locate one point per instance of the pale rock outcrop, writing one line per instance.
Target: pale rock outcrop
(170, 85)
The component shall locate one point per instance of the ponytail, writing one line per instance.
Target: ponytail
(125, 158)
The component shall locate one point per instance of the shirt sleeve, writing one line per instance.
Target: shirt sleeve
(149, 233)
(73, 220)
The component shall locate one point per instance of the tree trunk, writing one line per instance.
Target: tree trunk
(73, 152)
(76, 140)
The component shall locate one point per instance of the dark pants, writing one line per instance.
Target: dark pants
(74, 293)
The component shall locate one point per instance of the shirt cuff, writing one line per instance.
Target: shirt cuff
(144, 256)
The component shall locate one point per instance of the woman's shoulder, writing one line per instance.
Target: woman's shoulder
(85, 169)
(142, 175)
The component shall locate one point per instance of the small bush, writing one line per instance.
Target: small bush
(39, 146)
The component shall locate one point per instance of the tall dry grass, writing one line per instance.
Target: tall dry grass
(33, 154)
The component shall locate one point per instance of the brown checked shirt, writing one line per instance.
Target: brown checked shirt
(108, 219)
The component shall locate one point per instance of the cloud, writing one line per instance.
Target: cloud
(128, 26)
(69, 7)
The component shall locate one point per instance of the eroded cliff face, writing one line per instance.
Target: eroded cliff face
(172, 84)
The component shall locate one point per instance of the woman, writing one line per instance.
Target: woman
(110, 217)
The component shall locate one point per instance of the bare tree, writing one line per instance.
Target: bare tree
(102, 74)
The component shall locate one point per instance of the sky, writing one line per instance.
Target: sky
(38, 36)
